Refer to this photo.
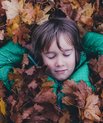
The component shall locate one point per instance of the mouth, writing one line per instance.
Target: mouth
(60, 71)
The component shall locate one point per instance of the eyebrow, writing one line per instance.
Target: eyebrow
(64, 50)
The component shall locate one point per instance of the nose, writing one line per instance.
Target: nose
(59, 62)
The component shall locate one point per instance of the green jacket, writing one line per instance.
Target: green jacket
(11, 55)
(93, 46)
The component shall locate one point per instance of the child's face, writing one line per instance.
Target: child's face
(60, 63)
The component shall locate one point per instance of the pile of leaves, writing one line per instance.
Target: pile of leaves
(19, 17)
(32, 98)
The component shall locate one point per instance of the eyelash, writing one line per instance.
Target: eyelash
(51, 57)
(63, 55)
(66, 55)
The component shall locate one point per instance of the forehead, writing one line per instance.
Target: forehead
(62, 43)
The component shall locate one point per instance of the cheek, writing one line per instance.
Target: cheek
(48, 62)
(71, 61)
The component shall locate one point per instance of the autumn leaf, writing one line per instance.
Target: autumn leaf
(75, 4)
(28, 14)
(45, 96)
(2, 11)
(1, 34)
(26, 114)
(25, 60)
(41, 15)
(21, 35)
(12, 8)
(66, 8)
(2, 90)
(92, 111)
(12, 25)
(38, 108)
(65, 118)
(81, 95)
(2, 106)
(32, 85)
(86, 14)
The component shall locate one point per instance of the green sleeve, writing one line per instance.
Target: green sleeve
(93, 43)
(10, 55)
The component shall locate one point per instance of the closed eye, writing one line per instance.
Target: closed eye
(50, 55)
(66, 55)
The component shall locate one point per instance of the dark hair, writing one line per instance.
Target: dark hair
(44, 34)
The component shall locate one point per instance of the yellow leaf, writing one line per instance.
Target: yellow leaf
(88, 10)
(2, 107)
(28, 13)
(13, 25)
(75, 4)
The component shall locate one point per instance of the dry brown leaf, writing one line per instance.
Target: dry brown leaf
(75, 4)
(26, 114)
(45, 96)
(28, 13)
(25, 60)
(32, 85)
(92, 111)
(65, 118)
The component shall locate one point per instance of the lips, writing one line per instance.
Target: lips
(61, 71)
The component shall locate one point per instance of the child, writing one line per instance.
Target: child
(57, 44)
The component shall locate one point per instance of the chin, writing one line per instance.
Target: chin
(61, 79)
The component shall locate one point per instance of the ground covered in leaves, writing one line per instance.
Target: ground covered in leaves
(31, 98)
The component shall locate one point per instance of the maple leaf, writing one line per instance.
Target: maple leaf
(32, 85)
(12, 25)
(75, 94)
(12, 8)
(50, 113)
(21, 34)
(28, 13)
(75, 4)
(38, 108)
(26, 114)
(96, 74)
(41, 15)
(69, 87)
(86, 14)
(92, 111)
(18, 80)
(45, 96)
(65, 118)
(66, 8)
(82, 94)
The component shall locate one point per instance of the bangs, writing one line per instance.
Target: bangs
(48, 40)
